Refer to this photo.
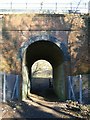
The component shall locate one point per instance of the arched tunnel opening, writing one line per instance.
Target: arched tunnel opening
(42, 80)
(49, 51)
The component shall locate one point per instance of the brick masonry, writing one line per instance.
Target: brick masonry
(70, 29)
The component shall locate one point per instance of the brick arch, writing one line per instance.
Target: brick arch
(48, 48)
(45, 37)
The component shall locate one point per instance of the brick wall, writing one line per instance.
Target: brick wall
(69, 29)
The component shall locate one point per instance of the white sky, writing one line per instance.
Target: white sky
(45, 1)
(21, 4)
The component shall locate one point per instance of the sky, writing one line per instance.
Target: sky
(45, 1)
(17, 3)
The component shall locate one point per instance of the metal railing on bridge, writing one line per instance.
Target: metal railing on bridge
(43, 7)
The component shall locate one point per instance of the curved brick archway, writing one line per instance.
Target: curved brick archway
(48, 48)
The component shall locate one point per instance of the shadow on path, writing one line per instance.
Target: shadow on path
(31, 109)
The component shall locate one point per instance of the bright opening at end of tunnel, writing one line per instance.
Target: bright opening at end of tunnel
(42, 80)
(42, 69)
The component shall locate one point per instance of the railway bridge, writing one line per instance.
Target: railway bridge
(56, 38)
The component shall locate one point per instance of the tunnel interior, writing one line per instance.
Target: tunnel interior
(45, 50)
(52, 53)
(42, 80)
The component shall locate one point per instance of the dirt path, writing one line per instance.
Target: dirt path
(37, 107)
(42, 103)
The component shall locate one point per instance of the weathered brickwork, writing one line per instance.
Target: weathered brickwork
(70, 29)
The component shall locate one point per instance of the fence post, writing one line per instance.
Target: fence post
(4, 88)
(41, 6)
(56, 7)
(15, 87)
(69, 91)
(71, 88)
(11, 6)
(17, 90)
(0, 87)
(26, 5)
(80, 84)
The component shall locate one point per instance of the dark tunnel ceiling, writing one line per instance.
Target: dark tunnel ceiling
(46, 50)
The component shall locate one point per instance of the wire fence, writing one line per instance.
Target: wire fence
(9, 87)
(44, 7)
(78, 87)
